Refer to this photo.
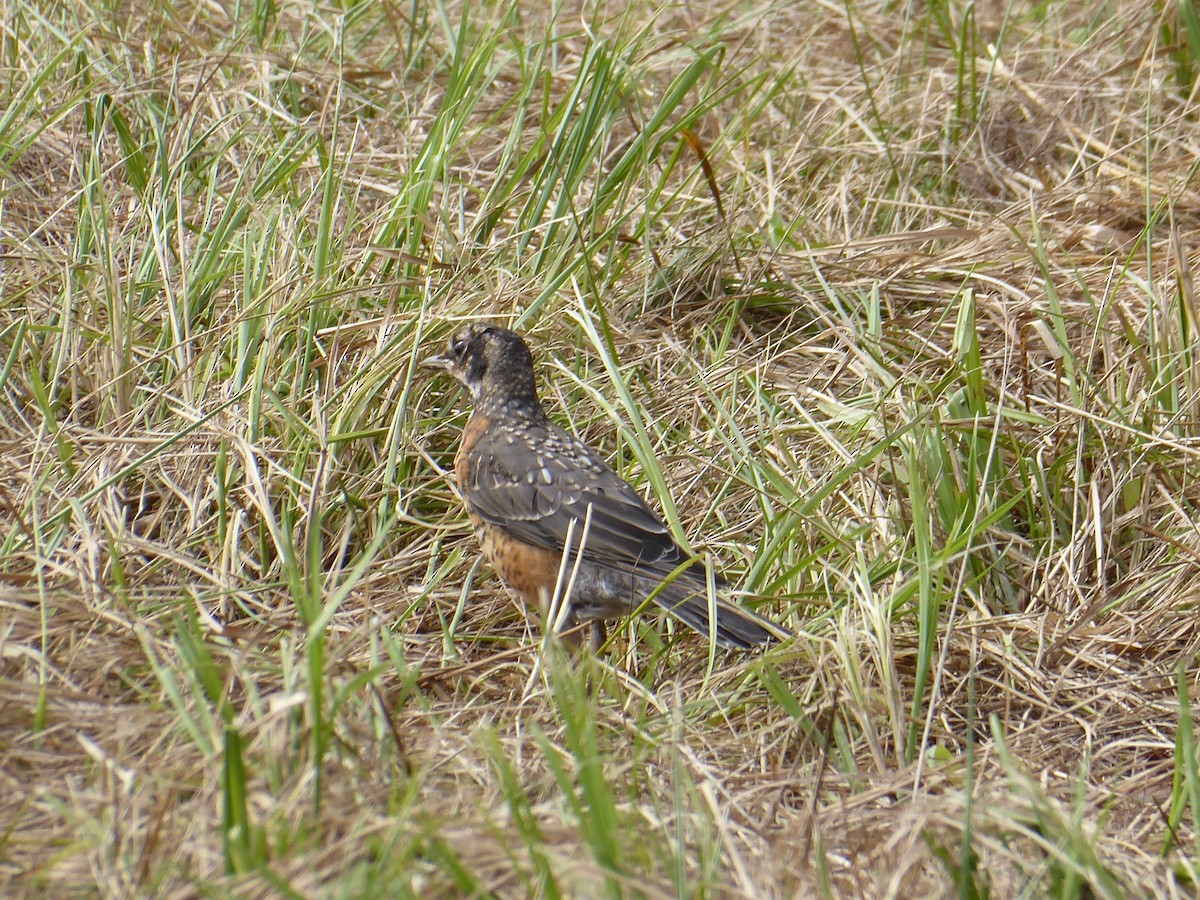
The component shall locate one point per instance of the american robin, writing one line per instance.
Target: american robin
(529, 486)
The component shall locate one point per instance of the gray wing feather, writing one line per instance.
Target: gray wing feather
(534, 495)
(511, 490)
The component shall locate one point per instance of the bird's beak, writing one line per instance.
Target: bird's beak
(439, 361)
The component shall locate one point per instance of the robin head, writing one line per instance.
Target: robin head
(491, 362)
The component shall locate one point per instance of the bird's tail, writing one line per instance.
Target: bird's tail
(735, 626)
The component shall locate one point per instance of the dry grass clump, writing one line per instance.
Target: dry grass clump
(889, 307)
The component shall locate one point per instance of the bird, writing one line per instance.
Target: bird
(530, 486)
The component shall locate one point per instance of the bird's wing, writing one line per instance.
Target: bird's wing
(534, 493)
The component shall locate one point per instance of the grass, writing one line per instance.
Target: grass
(889, 308)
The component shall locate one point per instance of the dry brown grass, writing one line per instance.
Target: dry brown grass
(916, 363)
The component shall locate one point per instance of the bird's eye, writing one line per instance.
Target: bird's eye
(458, 347)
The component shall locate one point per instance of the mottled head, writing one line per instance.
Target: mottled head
(493, 363)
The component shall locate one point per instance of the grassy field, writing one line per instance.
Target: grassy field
(888, 306)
